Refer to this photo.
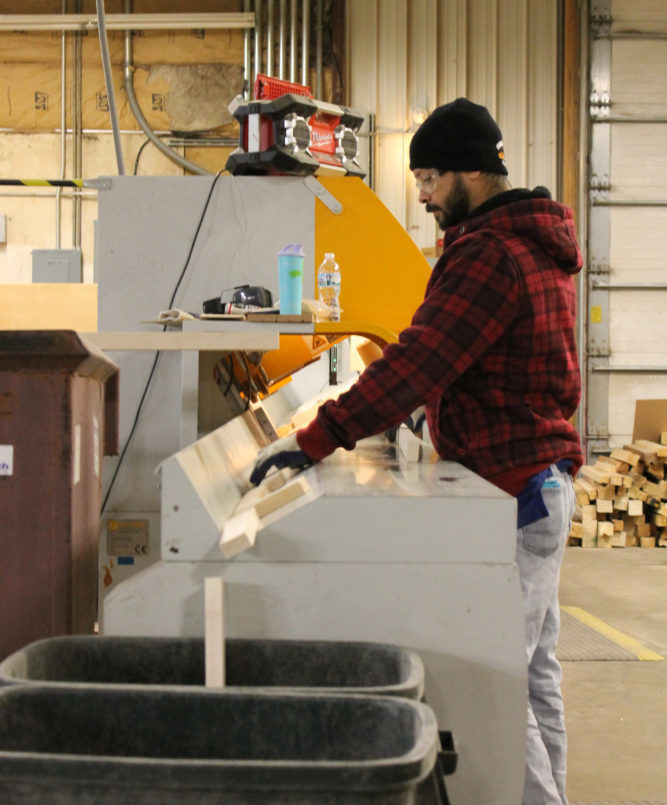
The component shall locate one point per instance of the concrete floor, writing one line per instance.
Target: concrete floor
(616, 711)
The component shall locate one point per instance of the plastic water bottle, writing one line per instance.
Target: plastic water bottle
(328, 285)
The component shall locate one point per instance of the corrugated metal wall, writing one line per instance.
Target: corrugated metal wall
(627, 279)
(405, 57)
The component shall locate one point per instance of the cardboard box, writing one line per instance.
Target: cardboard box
(650, 420)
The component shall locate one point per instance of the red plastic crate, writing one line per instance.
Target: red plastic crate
(270, 88)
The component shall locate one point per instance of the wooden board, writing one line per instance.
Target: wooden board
(49, 306)
(210, 341)
(214, 634)
(239, 533)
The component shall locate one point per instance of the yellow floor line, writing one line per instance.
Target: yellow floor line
(621, 639)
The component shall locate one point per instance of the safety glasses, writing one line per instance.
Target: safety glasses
(427, 182)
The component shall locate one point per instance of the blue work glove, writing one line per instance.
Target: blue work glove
(282, 453)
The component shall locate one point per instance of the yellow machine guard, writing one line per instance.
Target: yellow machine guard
(384, 275)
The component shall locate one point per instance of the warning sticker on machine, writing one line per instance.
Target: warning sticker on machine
(127, 538)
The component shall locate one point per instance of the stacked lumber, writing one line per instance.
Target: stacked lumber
(622, 498)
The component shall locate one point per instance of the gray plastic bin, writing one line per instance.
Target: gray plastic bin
(109, 745)
(314, 665)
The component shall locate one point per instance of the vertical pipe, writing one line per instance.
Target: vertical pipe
(282, 58)
(318, 51)
(111, 92)
(259, 36)
(583, 222)
(247, 54)
(269, 37)
(63, 124)
(305, 54)
(294, 48)
(77, 138)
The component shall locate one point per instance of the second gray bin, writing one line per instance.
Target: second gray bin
(326, 666)
(112, 745)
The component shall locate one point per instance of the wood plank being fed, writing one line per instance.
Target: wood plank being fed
(239, 532)
(214, 632)
(281, 497)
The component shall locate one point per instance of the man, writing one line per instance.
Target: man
(491, 355)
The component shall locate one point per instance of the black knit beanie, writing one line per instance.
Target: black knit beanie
(459, 136)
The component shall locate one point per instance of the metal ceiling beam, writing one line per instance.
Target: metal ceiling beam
(125, 22)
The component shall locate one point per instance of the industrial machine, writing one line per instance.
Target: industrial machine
(373, 545)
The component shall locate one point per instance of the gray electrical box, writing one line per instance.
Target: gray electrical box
(56, 265)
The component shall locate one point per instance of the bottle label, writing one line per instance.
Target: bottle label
(330, 280)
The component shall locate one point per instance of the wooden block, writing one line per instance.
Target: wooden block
(607, 492)
(278, 479)
(583, 485)
(605, 529)
(635, 507)
(614, 463)
(638, 480)
(239, 533)
(637, 494)
(652, 490)
(589, 535)
(618, 525)
(626, 456)
(593, 474)
(647, 542)
(408, 444)
(656, 470)
(643, 530)
(589, 512)
(626, 481)
(652, 447)
(621, 503)
(283, 496)
(604, 506)
(214, 635)
(632, 541)
(647, 454)
(618, 539)
(576, 530)
(663, 437)
(660, 520)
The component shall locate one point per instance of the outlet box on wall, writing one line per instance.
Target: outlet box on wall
(56, 265)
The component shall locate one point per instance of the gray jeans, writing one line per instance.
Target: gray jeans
(539, 554)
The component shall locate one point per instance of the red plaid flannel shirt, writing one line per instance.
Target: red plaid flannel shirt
(490, 351)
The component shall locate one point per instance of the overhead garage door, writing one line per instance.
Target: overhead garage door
(627, 227)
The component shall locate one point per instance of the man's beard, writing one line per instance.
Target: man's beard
(456, 205)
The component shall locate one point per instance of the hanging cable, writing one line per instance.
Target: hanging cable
(157, 354)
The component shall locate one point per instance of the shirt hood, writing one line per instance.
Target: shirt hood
(530, 214)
